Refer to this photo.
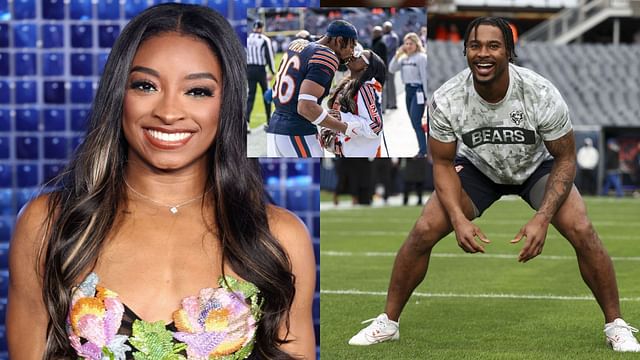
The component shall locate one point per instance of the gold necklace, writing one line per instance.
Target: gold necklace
(172, 208)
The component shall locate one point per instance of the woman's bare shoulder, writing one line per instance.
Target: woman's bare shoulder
(287, 228)
(30, 229)
(34, 214)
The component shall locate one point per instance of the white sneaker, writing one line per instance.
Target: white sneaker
(381, 329)
(620, 336)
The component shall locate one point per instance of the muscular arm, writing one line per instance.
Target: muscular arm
(447, 182)
(310, 110)
(556, 191)
(561, 177)
(449, 191)
(294, 238)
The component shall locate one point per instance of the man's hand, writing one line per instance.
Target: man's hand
(535, 232)
(466, 234)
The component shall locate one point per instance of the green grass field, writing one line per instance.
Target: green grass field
(258, 118)
(481, 306)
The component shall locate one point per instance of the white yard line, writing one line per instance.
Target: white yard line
(367, 218)
(463, 255)
(396, 201)
(493, 236)
(473, 296)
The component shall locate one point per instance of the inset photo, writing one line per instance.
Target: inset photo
(336, 82)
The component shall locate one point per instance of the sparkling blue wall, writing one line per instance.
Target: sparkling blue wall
(52, 53)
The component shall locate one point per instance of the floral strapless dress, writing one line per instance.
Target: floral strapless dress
(219, 323)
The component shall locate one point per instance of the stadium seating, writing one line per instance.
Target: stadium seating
(405, 20)
(598, 81)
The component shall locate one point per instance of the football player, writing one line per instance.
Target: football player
(304, 78)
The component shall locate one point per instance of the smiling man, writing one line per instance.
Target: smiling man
(497, 129)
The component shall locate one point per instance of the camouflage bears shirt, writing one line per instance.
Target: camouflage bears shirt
(504, 140)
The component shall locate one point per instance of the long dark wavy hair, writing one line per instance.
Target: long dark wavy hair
(350, 86)
(83, 207)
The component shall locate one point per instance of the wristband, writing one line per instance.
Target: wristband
(307, 97)
(321, 117)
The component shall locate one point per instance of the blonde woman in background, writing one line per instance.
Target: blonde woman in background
(411, 59)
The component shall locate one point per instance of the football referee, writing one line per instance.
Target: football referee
(259, 54)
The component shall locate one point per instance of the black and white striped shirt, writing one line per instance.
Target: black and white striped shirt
(259, 50)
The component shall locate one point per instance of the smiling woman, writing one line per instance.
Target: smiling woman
(157, 242)
(172, 102)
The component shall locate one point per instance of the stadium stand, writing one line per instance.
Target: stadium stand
(282, 24)
(570, 23)
(599, 82)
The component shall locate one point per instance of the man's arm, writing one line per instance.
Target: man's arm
(310, 109)
(562, 175)
(449, 191)
(557, 189)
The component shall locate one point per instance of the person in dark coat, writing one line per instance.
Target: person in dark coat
(379, 48)
(377, 45)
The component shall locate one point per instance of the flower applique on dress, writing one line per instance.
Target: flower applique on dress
(94, 320)
(219, 323)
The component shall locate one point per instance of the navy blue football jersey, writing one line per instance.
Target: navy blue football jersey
(303, 60)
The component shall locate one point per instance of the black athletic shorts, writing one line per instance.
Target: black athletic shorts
(484, 192)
